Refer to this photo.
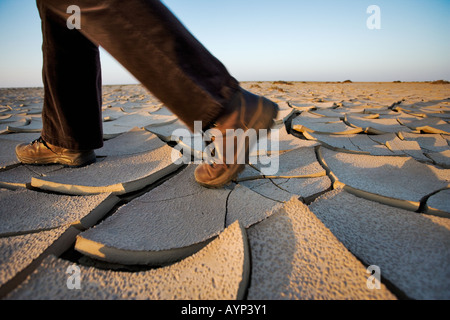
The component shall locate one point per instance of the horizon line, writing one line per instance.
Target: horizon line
(440, 81)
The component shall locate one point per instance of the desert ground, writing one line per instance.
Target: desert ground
(358, 208)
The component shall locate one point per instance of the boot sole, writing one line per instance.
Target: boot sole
(66, 162)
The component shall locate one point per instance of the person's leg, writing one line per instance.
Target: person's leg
(150, 42)
(71, 113)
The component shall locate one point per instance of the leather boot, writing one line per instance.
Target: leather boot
(40, 152)
(247, 111)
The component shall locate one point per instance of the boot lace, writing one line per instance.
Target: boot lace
(40, 140)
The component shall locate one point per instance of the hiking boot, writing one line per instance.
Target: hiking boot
(40, 152)
(248, 111)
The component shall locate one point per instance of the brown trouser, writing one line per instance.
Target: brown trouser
(149, 41)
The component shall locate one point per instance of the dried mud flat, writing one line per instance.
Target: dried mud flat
(363, 184)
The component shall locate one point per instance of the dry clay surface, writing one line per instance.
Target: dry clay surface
(362, 180)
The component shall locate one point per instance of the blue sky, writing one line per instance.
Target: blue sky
(321, 40)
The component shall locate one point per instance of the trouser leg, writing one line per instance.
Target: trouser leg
(149, 41)
(71, 113)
